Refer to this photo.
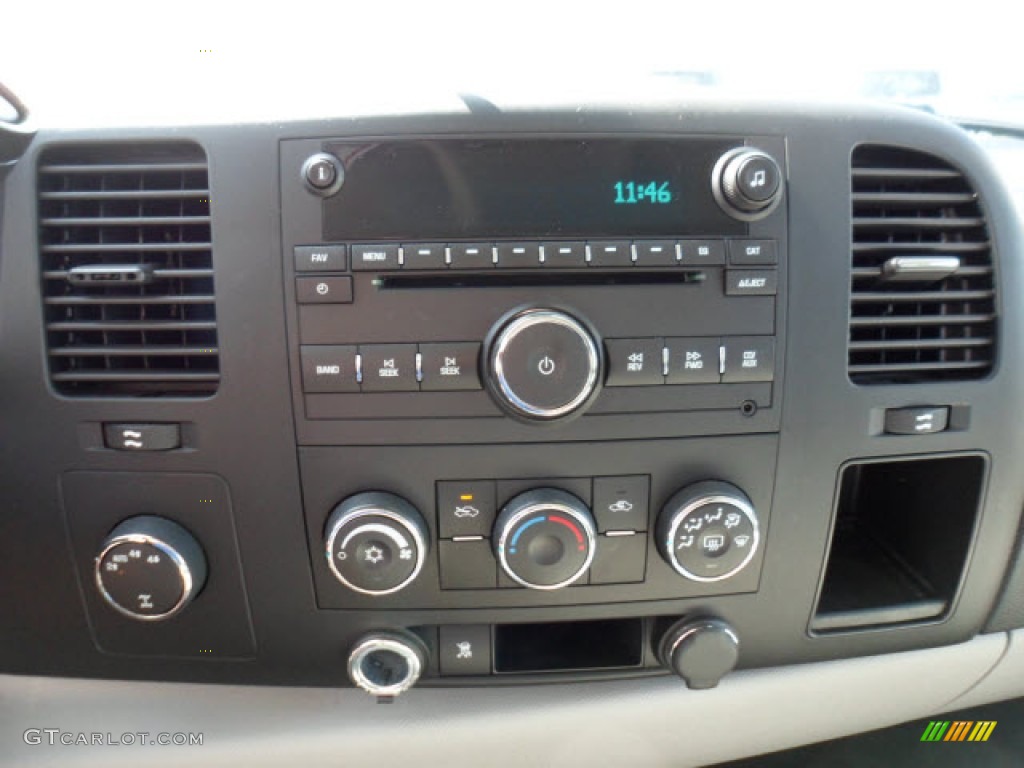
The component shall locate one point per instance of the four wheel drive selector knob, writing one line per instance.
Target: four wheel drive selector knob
(150, 568)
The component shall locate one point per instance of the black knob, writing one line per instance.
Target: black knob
(386, 664)
(543, 365)
(376, 543)
(323, 174)
(747, 183)
(701, 651)
(545, 538)
(708, 531)
(150, 568)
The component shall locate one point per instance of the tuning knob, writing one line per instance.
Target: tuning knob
(708, 531)
(545, 539)
(747, 183)
(376, 543)
(150, 568)
(700, 651)
(543, 365)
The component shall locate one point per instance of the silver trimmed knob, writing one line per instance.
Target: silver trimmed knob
(149, 568)
(543, 364)
(545, 539)
(386, 664)
(747, 183)
(376, 543)
(708, 531)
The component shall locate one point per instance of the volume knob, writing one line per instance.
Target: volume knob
(543, 365)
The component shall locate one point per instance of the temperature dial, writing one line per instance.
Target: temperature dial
(376, 543)
(708, 531)
(150, 568)
(544, 538)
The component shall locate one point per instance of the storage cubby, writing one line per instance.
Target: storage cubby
(900, 542)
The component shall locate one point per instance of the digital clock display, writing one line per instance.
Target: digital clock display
(450, 189)
(634, 192)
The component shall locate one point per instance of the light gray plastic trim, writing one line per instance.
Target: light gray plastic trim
(637, 723)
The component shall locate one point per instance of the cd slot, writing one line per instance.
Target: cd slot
(533, 279)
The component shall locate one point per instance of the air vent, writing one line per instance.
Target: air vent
(128, 271)
(923, 304)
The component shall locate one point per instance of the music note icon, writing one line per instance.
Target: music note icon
(758, 180)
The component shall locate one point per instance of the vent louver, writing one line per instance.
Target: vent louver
(923, 303)
(125, 245)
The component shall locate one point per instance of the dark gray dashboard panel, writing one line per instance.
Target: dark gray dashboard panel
(248, 433)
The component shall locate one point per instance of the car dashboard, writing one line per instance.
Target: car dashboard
(620, 413)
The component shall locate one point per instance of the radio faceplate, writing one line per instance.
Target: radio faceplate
(405, 275)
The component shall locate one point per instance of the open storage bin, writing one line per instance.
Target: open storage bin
(902, 533)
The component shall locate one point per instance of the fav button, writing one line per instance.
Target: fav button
(323, 258)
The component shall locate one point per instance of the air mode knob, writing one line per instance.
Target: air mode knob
(545, 539)
(708, 531)
(376, 543)
(747, 183)
(150, 568)
(543, 365)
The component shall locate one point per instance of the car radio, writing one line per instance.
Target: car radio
(499, 281)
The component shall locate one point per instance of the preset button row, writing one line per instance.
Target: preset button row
(576, 254)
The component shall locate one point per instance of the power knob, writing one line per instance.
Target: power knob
(543, 365)
(747, 183)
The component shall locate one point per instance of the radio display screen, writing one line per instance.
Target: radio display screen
(423, 189)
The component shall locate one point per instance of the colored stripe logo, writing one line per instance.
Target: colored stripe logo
(958, 730)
